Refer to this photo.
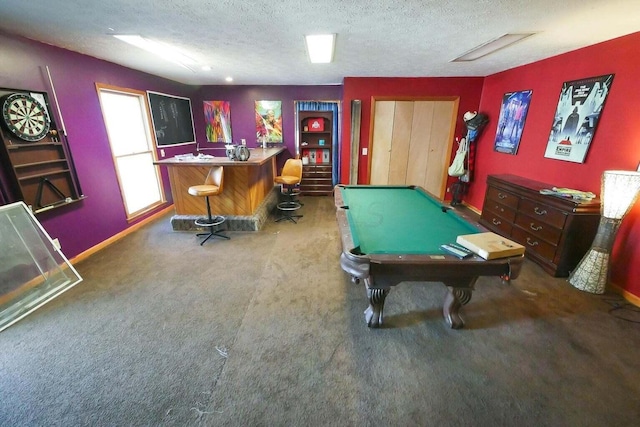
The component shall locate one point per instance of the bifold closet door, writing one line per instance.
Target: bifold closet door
(411, 142)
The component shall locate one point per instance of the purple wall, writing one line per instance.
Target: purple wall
(101, 215)
(242, 100)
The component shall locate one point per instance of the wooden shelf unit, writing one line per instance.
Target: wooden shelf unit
(40, 173)
(316, 146)
(555, 231)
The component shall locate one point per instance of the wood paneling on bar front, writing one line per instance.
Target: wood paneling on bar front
(245, 185)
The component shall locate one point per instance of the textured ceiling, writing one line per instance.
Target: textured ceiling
(262, 42)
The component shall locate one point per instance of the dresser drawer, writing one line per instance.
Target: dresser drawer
(503, 211)
(539, 229)
(503, 197)
(496, 223)
(534, 244)
(543, 213)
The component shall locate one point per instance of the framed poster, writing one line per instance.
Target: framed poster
(513, 114)
(217, 118)
(576, 118)
(172, 119)
(269, 121)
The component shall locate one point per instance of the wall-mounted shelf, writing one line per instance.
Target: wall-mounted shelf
(40, 173)
(31, 145)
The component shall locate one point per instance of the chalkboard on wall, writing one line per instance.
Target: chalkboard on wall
(172, 119)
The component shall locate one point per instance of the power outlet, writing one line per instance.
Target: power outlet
(364, 151)
(56, 243)
(162, 152)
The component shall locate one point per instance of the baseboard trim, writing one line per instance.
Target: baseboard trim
(471, 208)
(94, 249)
(633, 299)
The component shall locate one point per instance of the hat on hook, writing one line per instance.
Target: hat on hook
(469, 115)
(475, 120)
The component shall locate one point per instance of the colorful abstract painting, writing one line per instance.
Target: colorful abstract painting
(269, 121)
(217, 117)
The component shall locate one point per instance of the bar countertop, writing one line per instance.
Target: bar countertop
(258, 156)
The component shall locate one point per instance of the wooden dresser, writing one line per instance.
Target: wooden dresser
(556, 232)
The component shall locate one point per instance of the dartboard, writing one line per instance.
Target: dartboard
(25, 117)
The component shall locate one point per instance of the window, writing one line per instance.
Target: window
(126, 117)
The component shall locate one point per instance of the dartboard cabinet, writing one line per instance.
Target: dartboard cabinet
(37, 167)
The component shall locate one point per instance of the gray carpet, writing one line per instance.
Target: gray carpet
(266, 330)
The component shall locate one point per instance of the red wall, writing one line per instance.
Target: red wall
(616, 143)
(468, 89)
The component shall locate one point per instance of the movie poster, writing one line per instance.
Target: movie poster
(574, 124)
(513, 114)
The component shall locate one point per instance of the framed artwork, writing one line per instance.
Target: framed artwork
(269, 121)
(217, 118)
(576, 118)
(172, 119)
(513, 114)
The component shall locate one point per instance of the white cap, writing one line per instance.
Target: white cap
(469, 115)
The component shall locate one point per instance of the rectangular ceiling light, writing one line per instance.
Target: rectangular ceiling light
(491, 46)
(162, 50)
(320, 48)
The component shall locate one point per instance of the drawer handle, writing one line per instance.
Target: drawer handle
(530, 243)
(502, 196)
(499, 208)
(539, 211)
(534, 228)
(496, 222)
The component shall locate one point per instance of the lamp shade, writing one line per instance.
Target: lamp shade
(619, 192)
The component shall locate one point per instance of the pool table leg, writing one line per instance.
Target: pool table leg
(373, 313)
(455, 298)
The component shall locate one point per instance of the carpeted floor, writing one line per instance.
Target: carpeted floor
(266, 330)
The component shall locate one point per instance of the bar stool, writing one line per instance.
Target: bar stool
(212, 187)
(289, 179)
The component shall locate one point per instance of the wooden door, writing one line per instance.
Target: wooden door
(411, 142)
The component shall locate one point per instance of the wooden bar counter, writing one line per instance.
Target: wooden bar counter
(247, 190)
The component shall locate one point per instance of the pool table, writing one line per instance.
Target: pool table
(392, 234)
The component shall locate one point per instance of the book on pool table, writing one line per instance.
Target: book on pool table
(490, 245)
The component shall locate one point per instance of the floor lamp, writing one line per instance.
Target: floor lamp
(619, 192)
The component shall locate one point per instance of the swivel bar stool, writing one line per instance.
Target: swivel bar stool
(212, 187)
(289, 179)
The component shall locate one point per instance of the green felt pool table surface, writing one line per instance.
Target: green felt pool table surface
(400, 220)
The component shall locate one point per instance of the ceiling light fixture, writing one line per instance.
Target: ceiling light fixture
(229, 79)
(320, 47)
(162, 50)
(491, 46)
